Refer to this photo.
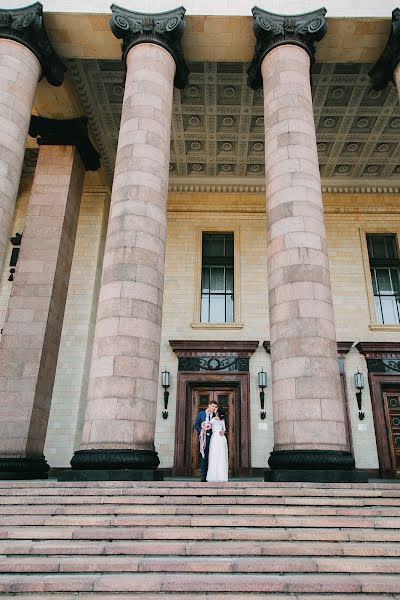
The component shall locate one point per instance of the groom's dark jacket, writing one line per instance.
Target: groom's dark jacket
(201, 417)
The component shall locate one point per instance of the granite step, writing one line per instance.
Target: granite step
(156, 541)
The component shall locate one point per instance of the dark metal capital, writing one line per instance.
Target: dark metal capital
(383, 70)
(164, 29)
(66, 132)
(26, 26)
(273, 30)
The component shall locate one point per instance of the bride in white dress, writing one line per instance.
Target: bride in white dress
(218, 453)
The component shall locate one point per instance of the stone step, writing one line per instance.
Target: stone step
(44, 500)
(203, 564)
(314, 583)
(198, 548)
(7, 514)
(210, 520)
(204, 596)
(355, 534)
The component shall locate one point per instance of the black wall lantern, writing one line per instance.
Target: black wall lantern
(165, 382)
(262, 383)
(359, 383)
(16, 242)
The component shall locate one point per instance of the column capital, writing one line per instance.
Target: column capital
(26, 26)
(273, 30)
(163, 29)
(66, 132)
(383, 70)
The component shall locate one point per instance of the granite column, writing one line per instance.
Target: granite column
(25, 55)
(309, 421)
(118, 434)
(32, 330)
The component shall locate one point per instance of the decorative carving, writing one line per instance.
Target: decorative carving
(66, 132)
(213, 364)
(26, 26)
(379, 350)
(383, 70)
(164, 29)
(383, 365)
(272, 30)
(114, 459)
(311, 459)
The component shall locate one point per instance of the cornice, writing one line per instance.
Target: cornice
(342, 347)
(383, 70)
(379, 349)
(272, 30)
(25, 26)
(66, 132)
(164, 29)
(254, 185)
(196, 347)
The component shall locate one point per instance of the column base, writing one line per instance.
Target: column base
(324, 466)
(111, 475)
(23, 468)
(316, 475)
(115, 461)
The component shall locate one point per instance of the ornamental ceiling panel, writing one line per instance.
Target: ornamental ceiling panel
(218, 123)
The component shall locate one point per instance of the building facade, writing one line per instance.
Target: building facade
(220, 203)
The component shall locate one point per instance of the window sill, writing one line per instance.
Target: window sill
(217, 325)
(377, 327)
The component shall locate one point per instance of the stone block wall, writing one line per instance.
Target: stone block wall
(347, 217)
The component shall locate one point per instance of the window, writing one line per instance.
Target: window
(217, 278)
(385, 274)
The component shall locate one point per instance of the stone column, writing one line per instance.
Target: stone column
(31, 334)
(309, 421)
(25, 54)
(387, 67)
(118, 434)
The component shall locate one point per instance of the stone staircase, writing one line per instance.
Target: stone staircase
(185, 540)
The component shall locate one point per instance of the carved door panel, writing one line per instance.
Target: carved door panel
(225, 397)
(391, 404)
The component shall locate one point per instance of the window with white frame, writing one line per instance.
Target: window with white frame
(217, 278)
(384, 263)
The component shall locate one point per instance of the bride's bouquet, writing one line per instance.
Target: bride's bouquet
(205, 426)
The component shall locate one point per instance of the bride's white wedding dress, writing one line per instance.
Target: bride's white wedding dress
(218, 453)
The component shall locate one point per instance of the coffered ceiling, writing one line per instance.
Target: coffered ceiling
(218, 125)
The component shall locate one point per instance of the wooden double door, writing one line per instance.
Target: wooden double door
(391, 406)
(225, 398)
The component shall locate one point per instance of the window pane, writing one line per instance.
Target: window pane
(218, 279)
(384, 282)
(389, 309)
(378, 310)
(374, 284)
(391, 250)
(229, 309)
(205, 279)
(379, 246)
(217, 245)
(229, 280)
(206, 245)
(204, 315)
(395, 273)
(370, 246)
(217, 309)
(229, 244)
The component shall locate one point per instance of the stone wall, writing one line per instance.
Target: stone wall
(347, 217)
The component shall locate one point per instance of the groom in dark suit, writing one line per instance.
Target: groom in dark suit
(204, 417)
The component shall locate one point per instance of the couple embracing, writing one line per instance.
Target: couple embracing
(210, 425)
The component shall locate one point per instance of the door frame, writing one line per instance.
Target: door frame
(186, 381)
